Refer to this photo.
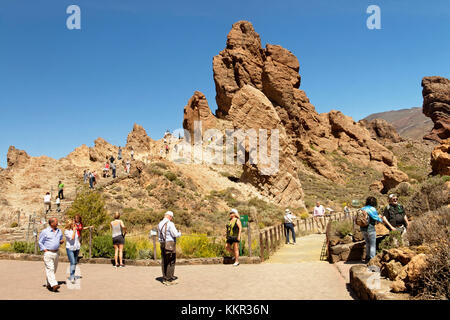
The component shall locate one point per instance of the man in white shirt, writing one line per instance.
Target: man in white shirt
(289, 225)
(167, 234)
(319, 212)
(48, 202)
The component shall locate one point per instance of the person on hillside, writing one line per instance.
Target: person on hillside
(85, 176)
(91, 179)
(318, 216)
(394, 216)
(50, 240)
(106, 170)
(118, 237)
(346, 211)
(61, 190)
(48, 202)
(132, 154)
(58, 204)
(113, 167)
(234, 229)
(94, 178)
(72, 247)
(289, 225)
(128, 166)
(111, 159)
(369, 232)
(168, 234)
(119, 153)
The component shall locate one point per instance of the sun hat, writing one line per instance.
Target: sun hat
(287, 211)
(392, 195)
(234, 211)
(169, 213)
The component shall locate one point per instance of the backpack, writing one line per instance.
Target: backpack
(362, 218)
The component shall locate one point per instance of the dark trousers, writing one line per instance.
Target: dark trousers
(114, 173)
(61, 194)
(91, 183)
(287, 227)
(167, 264)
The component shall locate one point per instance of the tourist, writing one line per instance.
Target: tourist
(58, 204)
(85, 176)
(118, 237)
(106, 170)
(119, 153)
(394, 216)
(48, 202)
(168, 234)
(318, 216)
(111, 159)
(94, 178)
(234, 229)
(49, 241)
(289, 225)
(346, 211)
(132, 154)
(369, 232)
(91, 179)
(128, 166)
(79, 226)
(72, 247)
(113, 167)
(61, 190)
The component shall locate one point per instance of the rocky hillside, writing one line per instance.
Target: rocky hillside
(409, 123)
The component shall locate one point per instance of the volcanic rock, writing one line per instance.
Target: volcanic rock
(436, 105)
(198, 109)
(381, 130)
(102, 151)
(391, 178)
(16, 158)
(440, 158)
(139, 141)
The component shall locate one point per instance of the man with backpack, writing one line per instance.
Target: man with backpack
(394, 216)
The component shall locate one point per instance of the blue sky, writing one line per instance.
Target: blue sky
(140, 61)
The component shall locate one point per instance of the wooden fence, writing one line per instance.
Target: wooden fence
(271, 238)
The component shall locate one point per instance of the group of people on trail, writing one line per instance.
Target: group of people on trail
(394, 218)
(59, 197)
(51, 238)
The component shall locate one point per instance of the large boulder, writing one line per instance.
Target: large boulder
(436, 105)
(392, 177)
(102, 151)
(139, 141)
(440, 158)
(381, 130)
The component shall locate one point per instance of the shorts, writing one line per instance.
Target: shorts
(232, 240)
(118, 240)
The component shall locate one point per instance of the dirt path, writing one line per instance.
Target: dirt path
(279, 278)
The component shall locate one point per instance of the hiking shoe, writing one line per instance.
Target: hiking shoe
(55, 288)
(121, 266)
(235, 264)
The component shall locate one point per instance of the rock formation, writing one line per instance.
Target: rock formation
(140, 143)
(198, 109)
(258, 88)
(16, 158)
(436, 105)
(381, 130)
(392, 177)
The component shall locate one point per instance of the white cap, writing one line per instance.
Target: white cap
(287, 211)
(169, 213)
(392, 195)
(234, 211)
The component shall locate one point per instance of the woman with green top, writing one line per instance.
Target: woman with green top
(234, 228)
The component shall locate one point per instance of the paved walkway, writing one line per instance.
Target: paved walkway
(293, 273)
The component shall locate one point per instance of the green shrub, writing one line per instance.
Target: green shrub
(6, 247)
(14, 225)
(102, 247)
(446, 178)
(170, 176)
(344, 228)
(393, 240)
(90, 205)
(23, 247)
(130, 250)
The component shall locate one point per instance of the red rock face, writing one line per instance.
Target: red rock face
(440, 158)
(436, 105)
(198, 109)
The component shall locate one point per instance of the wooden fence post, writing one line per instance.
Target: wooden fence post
(154, 247)
(266, 234)
(90, 242)
(35, 241)
(271, 238)
(261, 246)
(249, 240)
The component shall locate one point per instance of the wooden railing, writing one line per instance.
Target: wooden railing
(271, 238)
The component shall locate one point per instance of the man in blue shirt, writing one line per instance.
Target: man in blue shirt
(49, 241)
(168, 233)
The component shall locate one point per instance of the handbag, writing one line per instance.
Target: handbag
(169, 246)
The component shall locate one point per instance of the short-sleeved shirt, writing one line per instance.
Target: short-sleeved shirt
(319, 211)
(49, 239)
(72, 244)
(395, 214)
(60, 186)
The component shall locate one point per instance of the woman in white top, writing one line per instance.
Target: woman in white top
(72, 247)
(118, 236)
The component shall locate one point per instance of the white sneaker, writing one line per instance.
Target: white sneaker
(235, 264)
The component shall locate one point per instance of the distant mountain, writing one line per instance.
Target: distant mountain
(409, 123)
